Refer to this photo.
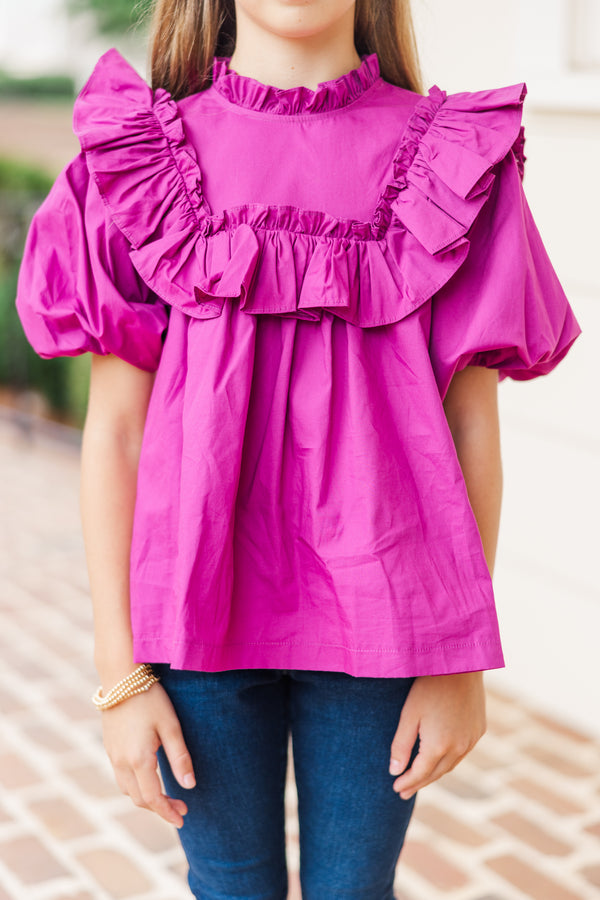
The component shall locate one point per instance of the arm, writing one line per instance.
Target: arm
(112, 437)
(447, 712)
(471, 407)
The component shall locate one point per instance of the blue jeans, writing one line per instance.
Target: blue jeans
(352, 824)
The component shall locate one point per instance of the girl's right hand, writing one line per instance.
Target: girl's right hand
(132, 733)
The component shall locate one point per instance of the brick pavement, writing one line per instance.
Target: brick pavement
(37, 132)
(519, 818)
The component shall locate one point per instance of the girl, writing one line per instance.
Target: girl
(301, 278)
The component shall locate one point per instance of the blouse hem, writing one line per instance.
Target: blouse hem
(407, 662)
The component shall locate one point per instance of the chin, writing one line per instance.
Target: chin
(295, 18)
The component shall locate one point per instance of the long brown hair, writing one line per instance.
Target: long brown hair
(185, 35)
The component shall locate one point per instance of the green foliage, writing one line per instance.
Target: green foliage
(40, 87)
(18, 176)
(62, 381)
(112, 16)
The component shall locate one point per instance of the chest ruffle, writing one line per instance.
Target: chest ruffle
(284, 260)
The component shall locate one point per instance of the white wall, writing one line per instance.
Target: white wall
(37, 37)
(547, 582)
(34, 36)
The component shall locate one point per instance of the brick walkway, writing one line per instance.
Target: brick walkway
(38, 133)
(519, 818)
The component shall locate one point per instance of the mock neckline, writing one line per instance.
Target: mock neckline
(249, 93)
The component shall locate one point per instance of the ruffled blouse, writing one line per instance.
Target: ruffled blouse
(305, 270)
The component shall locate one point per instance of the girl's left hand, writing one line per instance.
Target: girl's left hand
(447, 713)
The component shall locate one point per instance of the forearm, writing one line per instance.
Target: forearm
(472, 415)
(109, 463)
(447, 712)
(478, 452)
(108, 475)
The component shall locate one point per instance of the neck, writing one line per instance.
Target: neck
(288, 62)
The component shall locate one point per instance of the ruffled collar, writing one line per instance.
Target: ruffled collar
(334, 94)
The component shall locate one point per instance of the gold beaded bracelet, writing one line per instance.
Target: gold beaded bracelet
(137, 682)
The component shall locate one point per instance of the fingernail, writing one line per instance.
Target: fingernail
(395, 767)
(189, 781)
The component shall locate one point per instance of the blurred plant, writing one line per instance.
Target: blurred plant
(112, 16)
(63, 382)
(40, 86)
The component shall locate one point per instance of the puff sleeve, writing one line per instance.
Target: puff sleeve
(505, 308)
(78, 290)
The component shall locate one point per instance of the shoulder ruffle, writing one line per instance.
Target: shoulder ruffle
(444, 170)
(368, 273)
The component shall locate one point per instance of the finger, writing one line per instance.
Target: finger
(443, 761)
(128, 785)
(445, 764)
(150, 789)
(419, 774)
(177, 753)
(441, 769)
(403, 745)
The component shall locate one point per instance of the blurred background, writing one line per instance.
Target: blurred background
(546, 579)
(47, 50)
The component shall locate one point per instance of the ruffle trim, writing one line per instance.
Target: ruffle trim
(284, 260)
(442, 172)
(329, 95)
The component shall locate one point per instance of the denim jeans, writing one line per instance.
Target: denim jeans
(352, 824)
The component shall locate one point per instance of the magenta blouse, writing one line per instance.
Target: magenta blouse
(305, 271)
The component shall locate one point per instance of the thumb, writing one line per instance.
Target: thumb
(177, 753)
(403, 744)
